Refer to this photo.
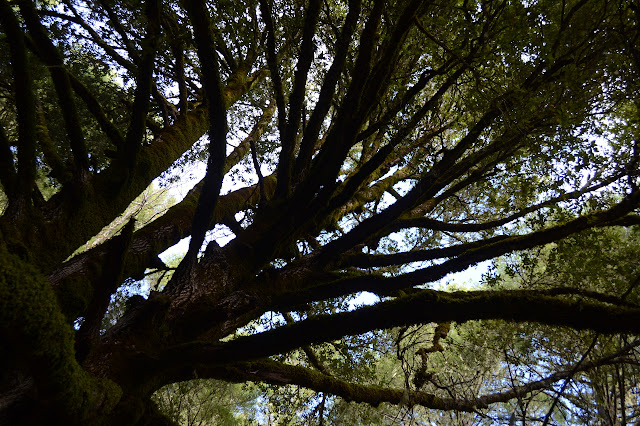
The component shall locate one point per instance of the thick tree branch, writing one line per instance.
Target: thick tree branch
(28, 309)
(25, 106)
(272, 62)
(276, 373)
(327, 91)
(8, 175)
(110, 277)
(50, 55)
(201, 21)
(346, 125)
(59, 169)
(128, 152)
(427, 306)
(146, 244)
(296, 100)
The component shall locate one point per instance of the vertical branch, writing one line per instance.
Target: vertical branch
(347, 123)
(256, 166)
(53, 59)
(212, 84)
(7, 168)
(59, 169)
(25, 105)
(326, 95)
(144, 86)
(296, 101)
(273, 66)
(178, 52)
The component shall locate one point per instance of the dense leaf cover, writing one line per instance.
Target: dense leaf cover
(350, 146)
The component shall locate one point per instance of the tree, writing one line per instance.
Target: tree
(409, 140)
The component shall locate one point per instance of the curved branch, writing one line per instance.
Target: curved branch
(277, 373)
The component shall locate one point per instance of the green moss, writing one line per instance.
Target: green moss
(74, 296)
(40, 338)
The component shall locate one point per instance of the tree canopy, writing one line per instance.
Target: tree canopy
(350, 146)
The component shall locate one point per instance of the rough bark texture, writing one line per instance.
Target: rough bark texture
(442, 130)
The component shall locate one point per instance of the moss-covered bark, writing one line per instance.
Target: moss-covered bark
(39, 342)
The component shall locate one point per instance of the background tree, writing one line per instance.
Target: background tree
(375, 145)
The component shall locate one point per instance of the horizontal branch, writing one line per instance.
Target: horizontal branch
(277, 373)
(426, 306)
(474, 252)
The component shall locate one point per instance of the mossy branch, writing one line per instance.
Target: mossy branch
(273, 372)
(129, 151)
(426, 306)
(31, 322)
(8, 175)
(25, 105)
(52, 58)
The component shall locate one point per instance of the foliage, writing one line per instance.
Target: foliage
(350, 146)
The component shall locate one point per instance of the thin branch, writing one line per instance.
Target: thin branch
(308, 350)
(256, 166)
(433, 224)
(427, 187)
(95, 37)
(94, 107)
(495, 246)
(116, 23)
(567, 379)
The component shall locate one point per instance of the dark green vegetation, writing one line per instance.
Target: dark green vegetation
(375, 146)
